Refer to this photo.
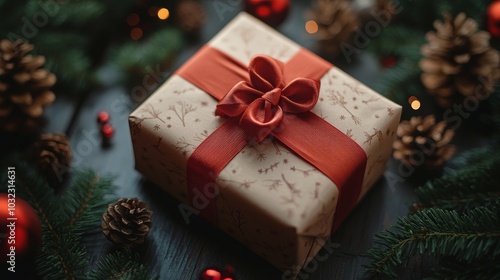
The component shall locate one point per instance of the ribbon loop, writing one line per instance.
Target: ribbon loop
(266, 73)
(300, 95)
(261, 105)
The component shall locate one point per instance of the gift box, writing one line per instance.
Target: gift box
(264, 139)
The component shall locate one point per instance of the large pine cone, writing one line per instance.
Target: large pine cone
(337, 23)
(127, 222)
(458, 59)
(53, 157)
(423, 142)
(24, 88)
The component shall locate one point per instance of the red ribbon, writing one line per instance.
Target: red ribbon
(263, 103)
(272, 98)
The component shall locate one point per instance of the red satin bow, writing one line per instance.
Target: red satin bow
(266, 100)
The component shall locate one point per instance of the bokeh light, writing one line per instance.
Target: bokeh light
(163, 13)
(311, 27)
(133, 19)
(136, 33)
(415, 105)
(414, 102)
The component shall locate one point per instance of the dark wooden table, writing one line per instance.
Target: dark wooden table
(177, 251)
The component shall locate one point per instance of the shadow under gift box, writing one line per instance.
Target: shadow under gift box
(270, 199)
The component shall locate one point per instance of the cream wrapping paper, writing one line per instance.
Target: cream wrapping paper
(270, 199)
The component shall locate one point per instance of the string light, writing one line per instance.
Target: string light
(163, 13)
(414, 102)
(415, 105)
(311, 27)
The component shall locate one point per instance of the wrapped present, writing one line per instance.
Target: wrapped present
(265, 140)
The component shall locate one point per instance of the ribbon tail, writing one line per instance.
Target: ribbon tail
(207, 161)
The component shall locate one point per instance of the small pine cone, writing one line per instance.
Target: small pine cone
(422, 141)
(53, 157)
(458, 61)
(337, 23)
(127, 222)
(24, 88)
(190, 16)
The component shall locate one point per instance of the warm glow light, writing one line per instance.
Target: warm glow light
(136, 33)
(415, 105)
(133, 19)
(411, 99)
(311, 27)
(163, 13)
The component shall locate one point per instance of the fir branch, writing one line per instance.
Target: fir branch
(65, 219)
(400, 41)
(61, 258)
(120, 265)
(86, 200)
(488, 268)
(138, 59)
(401, 81)
(465, 237)
(475, 185)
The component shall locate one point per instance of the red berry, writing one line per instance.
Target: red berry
(107, 131)
(210, 274)
(103, 117)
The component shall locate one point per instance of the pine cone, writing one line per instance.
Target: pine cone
(127, 222)
(337, 23)
(458, 59)
(190, 15)
(53, 157)
(422, 141)
(24, 88)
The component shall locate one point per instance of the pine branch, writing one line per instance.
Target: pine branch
(120, 265)
(87, 200)
(65, 219)
(421, 14)
(61, 258)
(136, 57)
(400, 41)
(473, 186)
(70, 12)
(436, 232)
(401, 81)
(476, 270)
